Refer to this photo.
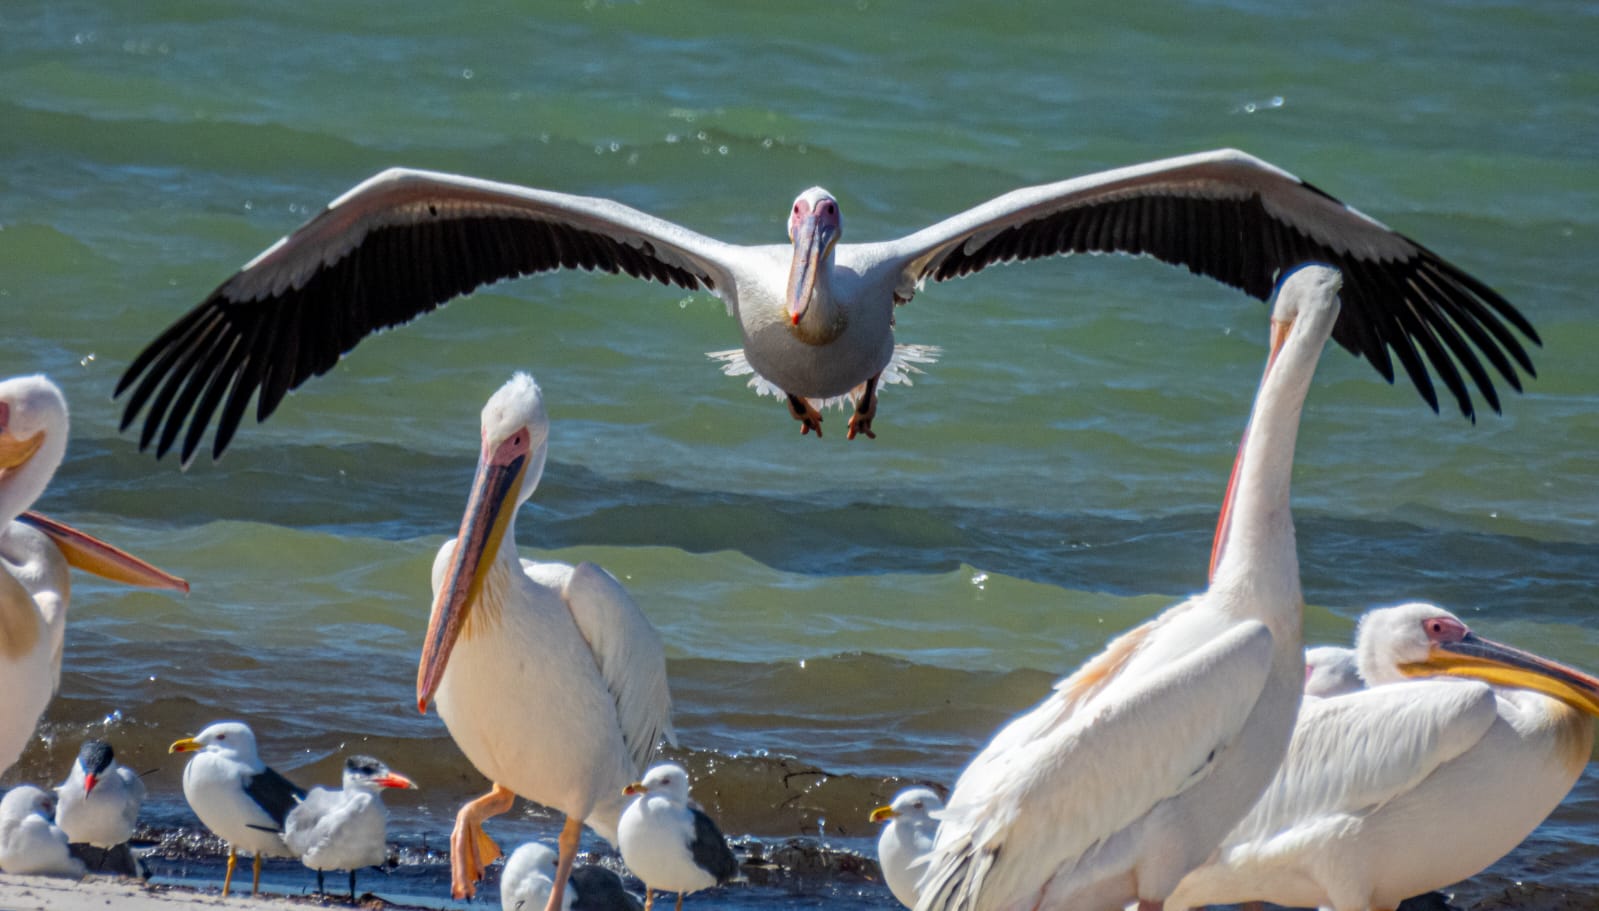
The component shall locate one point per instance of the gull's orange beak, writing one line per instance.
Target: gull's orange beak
(89, 782)
(394, 780)
(90, 554)
(489, 511)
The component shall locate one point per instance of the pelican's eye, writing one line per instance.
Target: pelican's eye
(1444, 629)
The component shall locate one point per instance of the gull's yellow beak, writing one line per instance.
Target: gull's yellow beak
(883, 813)
(186, 745)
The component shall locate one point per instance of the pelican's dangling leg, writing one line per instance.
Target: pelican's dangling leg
(566, 855)
(806, 413)
(865, 410)
(227, 878)
(471, 849)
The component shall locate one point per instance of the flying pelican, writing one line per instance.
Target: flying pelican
(35, 589)
(549, 677)
(1131, 772)
(816, 315)
(98, 806)
(29, 841)
(906, 839)
(348, 828)
(236, 795)
(1411, 785)
(668, 841)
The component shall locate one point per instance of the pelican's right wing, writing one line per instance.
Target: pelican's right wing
(1098, 754)
(393, 248)
(629, 654)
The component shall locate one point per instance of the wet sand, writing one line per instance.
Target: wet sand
(36, 893)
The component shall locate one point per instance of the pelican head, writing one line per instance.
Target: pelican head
(33, 440)
(1424, 640)
(911, 804)
(363, 773)
(233, 739)
(668, 779)
(515, 433)
(814, 227)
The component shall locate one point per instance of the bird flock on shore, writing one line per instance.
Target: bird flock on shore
(1200, 758)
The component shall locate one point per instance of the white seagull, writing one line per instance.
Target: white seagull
(29, 841)
(549, 677)
(1331, 670)
(98, 805)
(906, 840)
(668, 841)
(1411, 785)
(344, 829)
(529, 878)
(236, 796)
(35, 553)
(816, 315)
(1132, 771)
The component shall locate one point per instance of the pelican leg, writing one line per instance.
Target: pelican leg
(471, 849)
(255, 877)
(227, 878)
(571, 833)
(806, 413)
(865, 410)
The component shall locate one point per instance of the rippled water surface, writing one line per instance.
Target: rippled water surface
(840, 618)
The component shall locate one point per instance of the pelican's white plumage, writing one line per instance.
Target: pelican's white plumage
(236, 795)
(1413, 784)
(529, 878)
(35, 553)
(345, 828)
(906, 840)
(1133, 770)
(29, 841)
(1331, 670)
(548, 676)
(816, 315)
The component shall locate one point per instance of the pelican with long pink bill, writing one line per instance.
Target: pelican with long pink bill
(1134, 768)
(548, 676)
(816, 315)
(35, 554)
(1459, 748)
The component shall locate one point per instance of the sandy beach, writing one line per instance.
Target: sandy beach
(45, 893)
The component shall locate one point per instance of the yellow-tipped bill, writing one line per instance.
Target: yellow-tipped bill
(637, 787)
(186, 745)
(883, 813)
(489, 512)
(1503, 665)
(90, 554)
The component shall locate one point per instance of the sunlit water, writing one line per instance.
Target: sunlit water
(841, 618)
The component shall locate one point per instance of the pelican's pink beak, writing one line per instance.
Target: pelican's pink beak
(90, 554)
(813, 227)
(488, 513)
(1279, 335)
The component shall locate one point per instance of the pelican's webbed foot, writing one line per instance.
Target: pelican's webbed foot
(471, 849)
(806, 413)
(865, 410)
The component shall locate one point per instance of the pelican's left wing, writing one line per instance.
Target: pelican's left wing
(1098, 754)
(1245, 223)
(629, 654)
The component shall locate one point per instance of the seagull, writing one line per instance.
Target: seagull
(906, 840)
(1131, 772)
(599, 889)
(1457, 751)
(548, 676)
(1331, 670)
(816, 315)
(35, 553)
(345, 829)
(668, 841)
(29, 841)
(98, 805)
(236, 795)
(529, 878)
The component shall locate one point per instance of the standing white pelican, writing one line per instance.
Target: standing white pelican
(29, 841)
(816, 315)
(347, 828)
(1132, 771)
(906, 840)
(236, 795)
(549, 677)
(35, 552)
(1411, 785)
(668, 841)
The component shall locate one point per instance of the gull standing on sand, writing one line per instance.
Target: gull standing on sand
(344, 829)
(98, 805)
(35, 553)
(549, 677)
(816, 315)
(1413, 784)
(668, 841)
(906, 840)
(236, 796)
(1132, 771)
(29, 841)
